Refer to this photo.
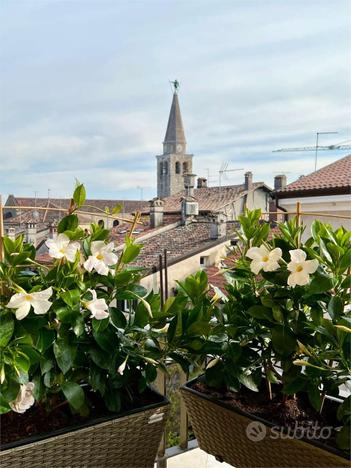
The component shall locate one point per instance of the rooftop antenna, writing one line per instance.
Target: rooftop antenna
(224, 170)
(35, 197)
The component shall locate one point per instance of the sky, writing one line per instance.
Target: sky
(85, 93)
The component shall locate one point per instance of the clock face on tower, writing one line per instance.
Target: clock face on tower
(179, 148)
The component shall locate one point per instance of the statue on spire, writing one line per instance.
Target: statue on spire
(176, 85)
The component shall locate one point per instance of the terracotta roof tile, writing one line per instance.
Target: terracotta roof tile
(179, 242)
(335, 176)
(209, 198)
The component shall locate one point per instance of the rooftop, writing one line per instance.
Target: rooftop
(211, 198)
(332, 179)
(180, 241)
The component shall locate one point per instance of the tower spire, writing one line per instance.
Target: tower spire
(175, 131)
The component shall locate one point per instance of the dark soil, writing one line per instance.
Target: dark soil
(39, 423)
(289, 412)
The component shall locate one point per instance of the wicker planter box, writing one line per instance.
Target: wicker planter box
(221, 431)
(127, 440)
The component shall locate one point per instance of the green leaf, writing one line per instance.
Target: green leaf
(7, 325)
(320, 284)
(64, 354)
(68, 223)
(283, 340)
(100, 325)
(71, 297)
(344, 437)
(79, 195)
(314, 396)
(74, 394)
(260, 312)
(107, 339)
(45, 339)
(346, 283)
(112, 400)
(335, 307)
(118, 318)
(248, 381)
(130, 253)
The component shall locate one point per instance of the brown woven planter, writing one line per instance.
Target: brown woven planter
(221, 431)
(128, 440)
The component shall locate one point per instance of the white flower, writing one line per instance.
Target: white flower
(264, 259)
(300, 268)
(102, 257)
(62, 247)
(24, 399)
(97, 307)
(24, 301)
(121, 368)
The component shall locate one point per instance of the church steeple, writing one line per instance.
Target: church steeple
(175, 138)
(174, 163)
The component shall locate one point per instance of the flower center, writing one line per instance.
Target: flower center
(265, 258)
(299, 268)
(62, 250)
(100, 257)
(28, 297)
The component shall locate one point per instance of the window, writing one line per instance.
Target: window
(185, 167)
(115, 223)
(204, 262)
(163, 167)
(177, 167)
(101, 223)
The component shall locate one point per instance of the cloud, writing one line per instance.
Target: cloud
(84, 89)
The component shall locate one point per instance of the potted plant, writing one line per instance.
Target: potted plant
(75, 368)
(278, 341)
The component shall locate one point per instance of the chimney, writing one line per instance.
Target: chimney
(31, 233)
(190, 208)
(218, 226)
(52, 230)
(279, 182)
(156, 212)
(189, 184)
(11, 233)
(201, 182)
(248, 181)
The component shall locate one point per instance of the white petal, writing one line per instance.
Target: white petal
(23, 310)
(17, 300)
(110, 247)
(298, 278)
(297, 255)
(101, 268)
(97, 246)
(311, 266)
(42, 295)
(292, 266)
(256, 266)
(256, 253)
(90, 263)
(41, 306)
(93, 293)
(275, 254)
(71, 251)
(110, 258)
(270, 266)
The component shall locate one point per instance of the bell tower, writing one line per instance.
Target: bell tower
(174, 162)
